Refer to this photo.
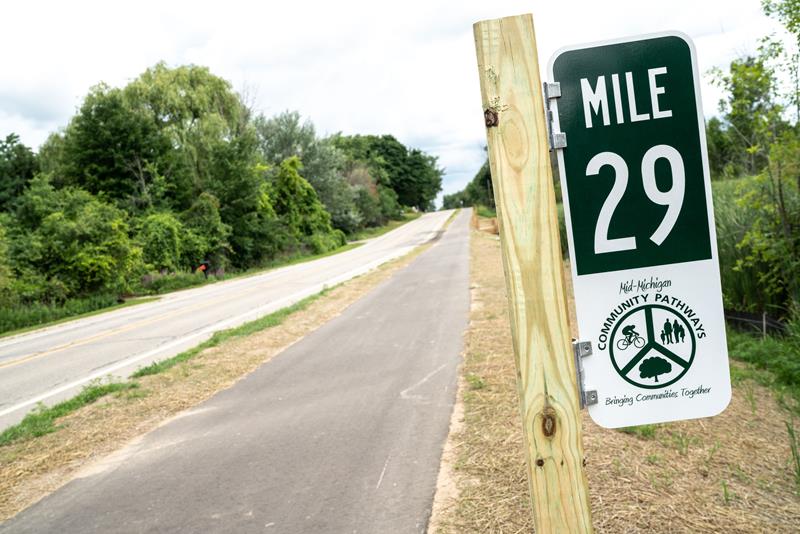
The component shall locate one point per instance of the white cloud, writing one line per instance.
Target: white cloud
(405, 68)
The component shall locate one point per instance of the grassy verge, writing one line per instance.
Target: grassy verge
(61, 315)
(42, 421)
(31, 467)
(484, 211)
(773, 361)
(736, 472)
(369, 233)
(273, 319)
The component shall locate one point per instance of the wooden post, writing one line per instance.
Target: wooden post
(511, 91)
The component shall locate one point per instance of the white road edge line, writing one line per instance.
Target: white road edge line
(172, 298)
(208, 331)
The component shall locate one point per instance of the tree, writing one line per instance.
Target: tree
(752, 114)
(161, 238)
(18, 164)
(299, 209)
(66, 242)
(412, 174)
(285, 136)
(6, 276)
(478, 191)
(653, 367)
(206, 236)
(113, 147)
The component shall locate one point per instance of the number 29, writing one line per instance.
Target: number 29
(672, 198)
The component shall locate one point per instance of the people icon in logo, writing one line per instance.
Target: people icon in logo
(667, 331)
(672, 332)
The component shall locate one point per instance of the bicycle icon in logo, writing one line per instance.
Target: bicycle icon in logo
(652, 346)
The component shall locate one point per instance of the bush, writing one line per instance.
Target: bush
(36, 313)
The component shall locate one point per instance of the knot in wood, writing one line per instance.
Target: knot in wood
(491, 118)
(549, 424)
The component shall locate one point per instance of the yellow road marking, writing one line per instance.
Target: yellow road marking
(123, 329)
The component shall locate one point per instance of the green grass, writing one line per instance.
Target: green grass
(484, 211)
(642, 431)
(369, 233)
(475, 381)
(268, 321)
(775, 361)
(42, 421)
(21, 319)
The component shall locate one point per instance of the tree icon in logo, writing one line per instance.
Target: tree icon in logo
(652, 367)
(655, 340)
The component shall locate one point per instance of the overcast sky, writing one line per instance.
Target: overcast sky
(405, 68)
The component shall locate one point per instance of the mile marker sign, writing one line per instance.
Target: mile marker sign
(640, 225)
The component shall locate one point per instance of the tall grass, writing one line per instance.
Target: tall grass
(16, 316)
(741, 287)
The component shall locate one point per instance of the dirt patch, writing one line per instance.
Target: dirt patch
(32, 469)
(727, 474)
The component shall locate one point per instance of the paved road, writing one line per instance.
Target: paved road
(55, 363)
(342, 432)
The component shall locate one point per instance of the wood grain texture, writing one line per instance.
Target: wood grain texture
(526, 209)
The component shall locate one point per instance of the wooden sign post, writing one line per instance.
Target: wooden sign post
(511, 91)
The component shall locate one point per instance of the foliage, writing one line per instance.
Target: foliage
(300, 211)
(751, 113)
(284, 136)
(171, 170)
(18, 164)
(412, 174)
(160, 237)
(66, 242)
(27, 314)
(772, 242)
(778, 355)
(478, 191)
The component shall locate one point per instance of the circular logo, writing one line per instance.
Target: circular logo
(652, 346)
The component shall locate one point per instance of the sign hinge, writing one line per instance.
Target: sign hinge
(557, 139)
(582, 349)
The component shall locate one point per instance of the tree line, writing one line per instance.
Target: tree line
(175, 170)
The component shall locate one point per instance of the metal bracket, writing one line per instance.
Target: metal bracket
(582, 349)
(557, 139)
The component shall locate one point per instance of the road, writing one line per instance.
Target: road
(342, 432)
(55, 363)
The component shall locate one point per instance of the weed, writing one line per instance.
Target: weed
(475, 381)
(653, 459)
(712, 452)
(642, 431)
(273, 319)
(749, 394)
(681, 441)
(727, 494)
(41, 421)
(740, 475)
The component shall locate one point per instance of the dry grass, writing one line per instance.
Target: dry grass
(727, 474)
(31, 469)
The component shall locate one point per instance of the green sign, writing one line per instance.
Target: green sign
(633, 164)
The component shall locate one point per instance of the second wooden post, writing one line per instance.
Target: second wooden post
(511, 91)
